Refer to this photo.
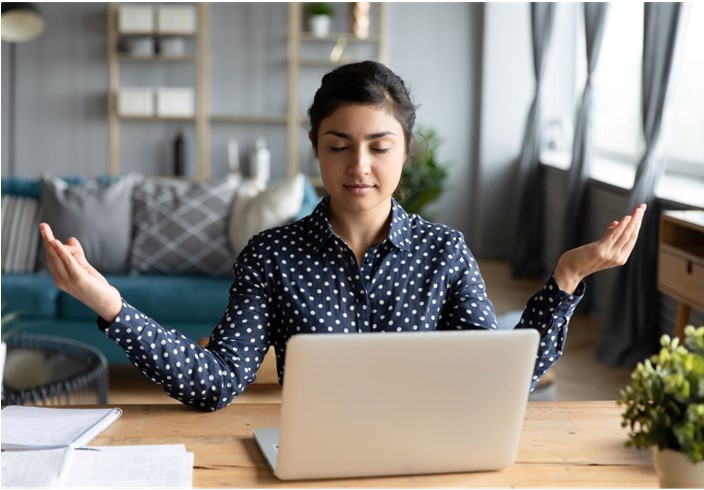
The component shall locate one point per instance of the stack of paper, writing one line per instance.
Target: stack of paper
(44, 447)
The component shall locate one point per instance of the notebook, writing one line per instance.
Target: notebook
(406, 403)
(48, 428)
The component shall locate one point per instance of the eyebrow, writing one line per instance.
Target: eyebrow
(372, 136)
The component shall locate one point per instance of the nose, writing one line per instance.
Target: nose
(360, 162)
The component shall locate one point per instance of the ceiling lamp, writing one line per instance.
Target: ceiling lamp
(21, 22)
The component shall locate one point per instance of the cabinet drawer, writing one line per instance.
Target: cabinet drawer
(682, 278)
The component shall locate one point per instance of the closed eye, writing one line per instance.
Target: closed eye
(337, 149)
(381, 150)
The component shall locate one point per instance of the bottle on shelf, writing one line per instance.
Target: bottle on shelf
(260, 163)
(179, 154)
(233, 156)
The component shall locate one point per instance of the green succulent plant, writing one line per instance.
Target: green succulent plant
(319, 8)
(423, 179)
(665, 399)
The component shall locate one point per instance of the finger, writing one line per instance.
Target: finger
(73, 242)
(46, 232)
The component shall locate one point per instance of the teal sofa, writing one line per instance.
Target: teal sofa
(190, 303)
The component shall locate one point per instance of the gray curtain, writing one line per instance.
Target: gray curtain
(527, 244)
(630, 331)
(594, 22)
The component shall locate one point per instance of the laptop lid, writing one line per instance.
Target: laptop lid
(374, 404)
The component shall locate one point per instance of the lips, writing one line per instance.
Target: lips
(358, 188)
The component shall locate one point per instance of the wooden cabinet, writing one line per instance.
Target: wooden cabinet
(681, 262)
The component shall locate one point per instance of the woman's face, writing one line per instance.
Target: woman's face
(361, 150)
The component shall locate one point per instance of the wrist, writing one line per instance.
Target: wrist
(566, 279)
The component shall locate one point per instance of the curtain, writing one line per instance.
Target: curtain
(575, 213)
(526, 251)
(630, 331)
(594, 22)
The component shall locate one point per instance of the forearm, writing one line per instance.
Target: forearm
(186, 371)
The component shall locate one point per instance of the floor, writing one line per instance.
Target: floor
(577, 376)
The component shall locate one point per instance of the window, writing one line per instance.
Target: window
(616, 122)
(616, 126)
(683, 131)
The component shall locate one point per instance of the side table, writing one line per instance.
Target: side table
(69, 372)
(681, 262)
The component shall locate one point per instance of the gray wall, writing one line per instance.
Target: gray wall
(451, 54)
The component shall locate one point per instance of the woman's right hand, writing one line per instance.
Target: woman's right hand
(73, 274)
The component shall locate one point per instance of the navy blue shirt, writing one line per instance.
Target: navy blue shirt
(302, 278)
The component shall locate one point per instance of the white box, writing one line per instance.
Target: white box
(135, 101)
(175, 102)
(176, 19)
(135, 18)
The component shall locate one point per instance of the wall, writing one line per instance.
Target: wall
(61, 120)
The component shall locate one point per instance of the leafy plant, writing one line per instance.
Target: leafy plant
(423, 179)
(665, 400)
(320, 8)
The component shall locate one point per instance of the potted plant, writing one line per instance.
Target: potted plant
(665, 409)
(319, 15)
(423, 179)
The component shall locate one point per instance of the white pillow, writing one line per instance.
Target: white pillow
(256, 210)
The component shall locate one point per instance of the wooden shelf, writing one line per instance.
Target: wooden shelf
(250, 118)
(156, 59)
(333, 37)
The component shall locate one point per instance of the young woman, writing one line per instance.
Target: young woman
(358, 263)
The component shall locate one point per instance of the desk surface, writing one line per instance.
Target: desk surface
(563, 444)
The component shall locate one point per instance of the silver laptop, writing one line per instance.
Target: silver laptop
(375, 404)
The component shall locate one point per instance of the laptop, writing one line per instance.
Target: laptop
(375, 404)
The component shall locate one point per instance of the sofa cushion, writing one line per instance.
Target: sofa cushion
(256, 210)
(181, 227)
(167, 299)
(20, 234)
(99, 214)
(29, 295)
(25, 187)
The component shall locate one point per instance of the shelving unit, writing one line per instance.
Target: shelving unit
(297, 38)
(199, 60)
(291, 120)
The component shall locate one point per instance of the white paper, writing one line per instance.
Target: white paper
(40, 468)
(131, 466)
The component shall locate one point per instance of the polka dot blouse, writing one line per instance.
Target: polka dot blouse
(302, 278)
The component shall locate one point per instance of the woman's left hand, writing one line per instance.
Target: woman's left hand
(612, 250)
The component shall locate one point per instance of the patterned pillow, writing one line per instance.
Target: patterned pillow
(20, 234)
(181, 227)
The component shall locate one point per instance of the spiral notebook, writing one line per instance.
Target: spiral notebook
(26, 428)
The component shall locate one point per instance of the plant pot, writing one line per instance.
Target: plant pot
(674, 470)
(319, 25)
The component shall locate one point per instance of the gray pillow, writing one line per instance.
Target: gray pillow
(99, 214)
(181, 227)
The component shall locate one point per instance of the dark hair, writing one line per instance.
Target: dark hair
(363, 83)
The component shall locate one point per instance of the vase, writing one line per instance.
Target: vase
(674, 470)
(319, 25)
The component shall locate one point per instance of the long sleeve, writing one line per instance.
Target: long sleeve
(208, 377)
(548, 311)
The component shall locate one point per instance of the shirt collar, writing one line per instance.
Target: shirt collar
(320, 230)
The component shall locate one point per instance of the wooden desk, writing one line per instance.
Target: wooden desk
(563, 444)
